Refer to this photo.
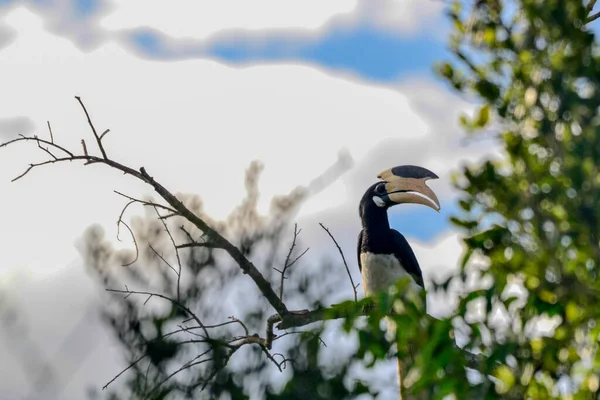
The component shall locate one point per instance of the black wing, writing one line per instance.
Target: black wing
(358, 249)
(405, 254)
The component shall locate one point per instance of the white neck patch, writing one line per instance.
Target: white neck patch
(378, 201)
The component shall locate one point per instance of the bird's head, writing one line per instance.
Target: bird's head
(402, 184)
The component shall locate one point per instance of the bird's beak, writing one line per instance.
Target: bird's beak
(406, 189)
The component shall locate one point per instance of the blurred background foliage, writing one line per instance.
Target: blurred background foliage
(530, 302)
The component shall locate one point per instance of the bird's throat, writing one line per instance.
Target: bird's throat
(375, 220)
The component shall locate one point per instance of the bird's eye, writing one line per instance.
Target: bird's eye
(380, 188)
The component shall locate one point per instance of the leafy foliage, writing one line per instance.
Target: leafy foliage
(533, 66)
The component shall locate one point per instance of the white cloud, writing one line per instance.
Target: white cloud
(201, 19)
(401, 16)
(185, 19)
(66, 18)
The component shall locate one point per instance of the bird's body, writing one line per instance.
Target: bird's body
(380, 270)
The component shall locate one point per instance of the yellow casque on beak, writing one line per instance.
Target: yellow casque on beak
(404, 190)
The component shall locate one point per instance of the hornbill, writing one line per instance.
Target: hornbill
(384, 255)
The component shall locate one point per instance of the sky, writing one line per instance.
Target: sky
(195, 91)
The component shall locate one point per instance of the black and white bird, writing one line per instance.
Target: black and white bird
(384, 255)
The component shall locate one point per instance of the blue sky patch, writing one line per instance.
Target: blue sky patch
(420, 222)
(369, 53)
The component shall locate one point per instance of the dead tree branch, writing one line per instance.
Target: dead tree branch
(287, 263)
(175, 303)
(215, 237)
(123, 371)
(178, 272)
(98, 138)
(121, 222)
(344, 260)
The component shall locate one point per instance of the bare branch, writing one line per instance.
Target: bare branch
(235, 320)
(313, 334)
(163, 260)
(45, 149)
(173, 301)
(296, 319)
(344, 260)
(189, 235)
(104, 133)
(146, 203)
(22, 138)
(299, 257)
(119, 222)
(250, 339)
(85, 151)
(286, 265)
(50, 130)
(246, 265)
(167, 216)
(592, 17)
(193, 242)
(98, 139)
(137, 250)
(590, 6)
(185, 366)
(176, 253)
(123, 371)
(270, 335)
(215, 237)
(198, 244)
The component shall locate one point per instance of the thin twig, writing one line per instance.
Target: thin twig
(98, 139)
(123, 371)
(313, 334)
(167, 216)
(119, 222)
(592, 17)
(344, 260)
(590, 6)
(145, 203)
(45, 149)
(163, 259)
(234, 319)
(50, 130)
(22, 138)
(173, 301)
(197, 244)
(188, 365)
(176, 253)
(189, 235)
(287, 260)
(137, 250)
